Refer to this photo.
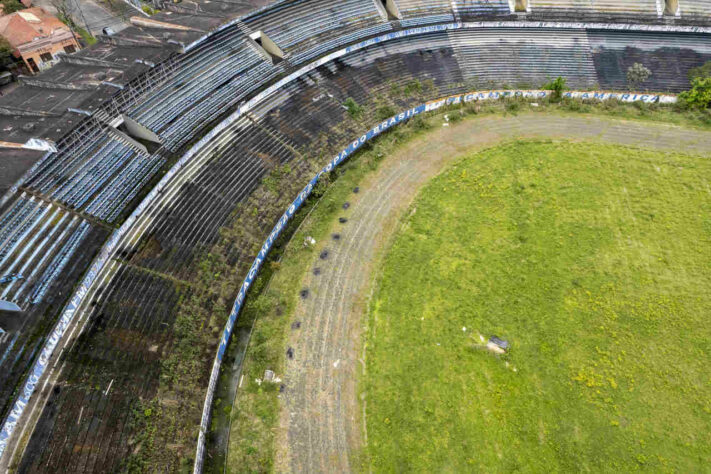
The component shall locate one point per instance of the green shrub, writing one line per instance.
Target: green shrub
(472, 108)
(699, 97)
(512, 105)
(354, 110)
(428, 85)
(413, 87)
(557, 86)
(455, 116)
(700, 72)
(576, 105)
(419, 123)
(384, 112)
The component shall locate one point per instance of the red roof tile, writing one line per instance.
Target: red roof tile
(25, 26)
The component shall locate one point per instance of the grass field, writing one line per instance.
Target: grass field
(594, 261)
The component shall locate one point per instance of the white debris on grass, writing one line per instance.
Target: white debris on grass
(464, 329)
(335, 364)
(309, 241)
(268, 375)
(494, 348)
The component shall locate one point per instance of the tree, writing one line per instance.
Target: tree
(64, 13)
(11, 6)
(699, 97)
(637, 74)
(5, 49)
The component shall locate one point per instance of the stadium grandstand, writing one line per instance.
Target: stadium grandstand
(120, 165)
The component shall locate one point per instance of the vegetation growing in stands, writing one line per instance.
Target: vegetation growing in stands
(384, 112)
(354, 110)
(85, 35)
(564, 250)
(256, 409)
(176, 409)
(205, 302)
(412, 88)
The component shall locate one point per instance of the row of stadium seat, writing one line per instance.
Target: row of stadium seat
(423, 8)
(33, 232)
(466, 9)
(78, 172)
(188, 122)
(298, 25)
(111, 200)
(204, 202)
(629, 7)
(130, 319)
(524, 58)
(129, 325)
(199, 73)
(700, 9)
(59, 262)
(225, 66)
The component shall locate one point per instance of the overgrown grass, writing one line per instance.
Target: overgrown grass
(668, 113)
(255, 411)
(85, 35)
(256, 408)
(593, 261)
(664, 113)
(203, 309)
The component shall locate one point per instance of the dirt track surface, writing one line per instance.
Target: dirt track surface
(322, 425)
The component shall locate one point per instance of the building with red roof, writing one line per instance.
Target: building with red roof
(37, 37)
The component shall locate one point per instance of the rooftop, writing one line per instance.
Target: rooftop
(14, 163)
(26, 26)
